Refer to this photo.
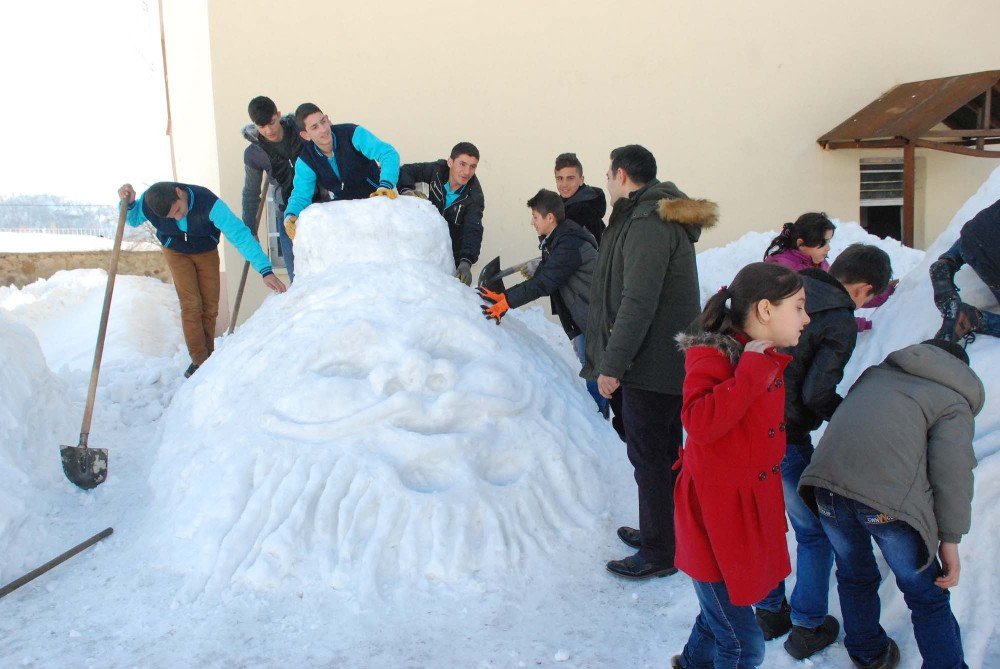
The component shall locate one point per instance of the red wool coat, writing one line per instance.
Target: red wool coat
(729, 511)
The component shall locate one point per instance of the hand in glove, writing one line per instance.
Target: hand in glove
(530, 268)
(464, 272)
(496, 305)
(387, 192)
(414, 193)
(290, 226)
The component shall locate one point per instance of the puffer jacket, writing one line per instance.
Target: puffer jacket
(645, 288)
(901, 443)
(569, 255)
(818, 360)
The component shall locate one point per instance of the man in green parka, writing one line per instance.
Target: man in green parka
(644, 292)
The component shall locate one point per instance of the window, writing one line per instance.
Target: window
(882, 196)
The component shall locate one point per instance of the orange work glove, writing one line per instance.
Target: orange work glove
(496, 305)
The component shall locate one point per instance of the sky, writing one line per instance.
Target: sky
(85, 106)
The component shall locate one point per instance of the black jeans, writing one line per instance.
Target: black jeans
(653, 439)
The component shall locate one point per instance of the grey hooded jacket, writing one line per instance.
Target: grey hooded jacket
(901, 443)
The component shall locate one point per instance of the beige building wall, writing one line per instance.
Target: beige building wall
(730, 97)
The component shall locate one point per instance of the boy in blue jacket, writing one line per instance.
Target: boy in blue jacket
(346, 160)
(189, 222)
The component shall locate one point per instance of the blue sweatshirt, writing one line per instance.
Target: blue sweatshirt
(221, 217)
(370, 146)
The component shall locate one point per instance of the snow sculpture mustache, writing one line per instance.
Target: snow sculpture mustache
(369, 429)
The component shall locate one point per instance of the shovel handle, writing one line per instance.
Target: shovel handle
(35, 573)
(246, 264)
(88, 412)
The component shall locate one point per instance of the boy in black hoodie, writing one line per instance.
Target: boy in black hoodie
(811, 379)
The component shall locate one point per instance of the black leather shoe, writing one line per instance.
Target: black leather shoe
(888, 660)
(774, 623)
(805, 642)
(635, 567)
(630, 536)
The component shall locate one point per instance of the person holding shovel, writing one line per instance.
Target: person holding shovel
(190, 221)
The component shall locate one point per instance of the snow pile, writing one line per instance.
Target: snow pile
(46, 242)
(64, 312)
(35, 418)
(718, 266)
(370, 428)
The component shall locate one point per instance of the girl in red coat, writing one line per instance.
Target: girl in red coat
(729, 512)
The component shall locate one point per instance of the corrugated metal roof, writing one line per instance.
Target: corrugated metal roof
(909, 110)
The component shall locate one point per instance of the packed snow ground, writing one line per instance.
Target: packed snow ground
(323, 492)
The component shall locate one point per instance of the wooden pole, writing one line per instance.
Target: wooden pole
(909, 178)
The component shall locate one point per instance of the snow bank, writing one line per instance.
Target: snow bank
(64, 312)
(35, 417)
(45, 242)
(369, 428)
(718, 266)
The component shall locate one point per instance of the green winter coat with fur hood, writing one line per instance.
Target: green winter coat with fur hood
(901, 443)
(645, 288)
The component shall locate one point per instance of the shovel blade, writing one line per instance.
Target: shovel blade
(488, 274)
(86, 467)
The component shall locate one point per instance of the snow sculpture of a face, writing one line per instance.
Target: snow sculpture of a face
(369, 427)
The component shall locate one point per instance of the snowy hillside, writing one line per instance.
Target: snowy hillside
(370, 474)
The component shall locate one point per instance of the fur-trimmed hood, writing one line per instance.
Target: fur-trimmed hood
(724, 343)
(683, 211)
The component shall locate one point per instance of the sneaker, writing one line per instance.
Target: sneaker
(960, 322)
(192, 368)
(888, 660)
(774, 623)
(636, 567)
(630, 536)
(805, 642)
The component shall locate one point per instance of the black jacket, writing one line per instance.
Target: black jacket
(818, 360)
(464, 216)
(587, 207)
(981, 244)
(275, 158)
(569, 255)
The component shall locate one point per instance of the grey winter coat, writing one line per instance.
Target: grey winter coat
(645, 288)
(901, 443)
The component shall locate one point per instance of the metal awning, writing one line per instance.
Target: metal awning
(953, 114)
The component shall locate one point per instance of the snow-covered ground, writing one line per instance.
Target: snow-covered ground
(368, 473)
(45, 242)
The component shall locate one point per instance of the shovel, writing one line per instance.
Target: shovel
(88, 467)
(492, 276)
(246, 263)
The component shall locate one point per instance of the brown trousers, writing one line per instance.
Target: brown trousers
(196, 278)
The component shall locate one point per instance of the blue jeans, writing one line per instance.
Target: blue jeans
(814, 555)
(990, 324)
(723, 635)
(580, 348)
(851, 526)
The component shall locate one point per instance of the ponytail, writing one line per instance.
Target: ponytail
(726, 312)
(811, 228)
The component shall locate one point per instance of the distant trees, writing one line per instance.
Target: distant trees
(51, 213)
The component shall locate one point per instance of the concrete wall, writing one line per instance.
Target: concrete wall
(20, 269)
(729, 96)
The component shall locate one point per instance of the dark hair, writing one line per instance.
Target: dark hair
(638, 163)
(547, 202)
(303, 111)
(160, 197)
(755, 282)
(810, 228)
(863, 263)
(950, 347)
(564, 160)
(262, 109)
(464, 148)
